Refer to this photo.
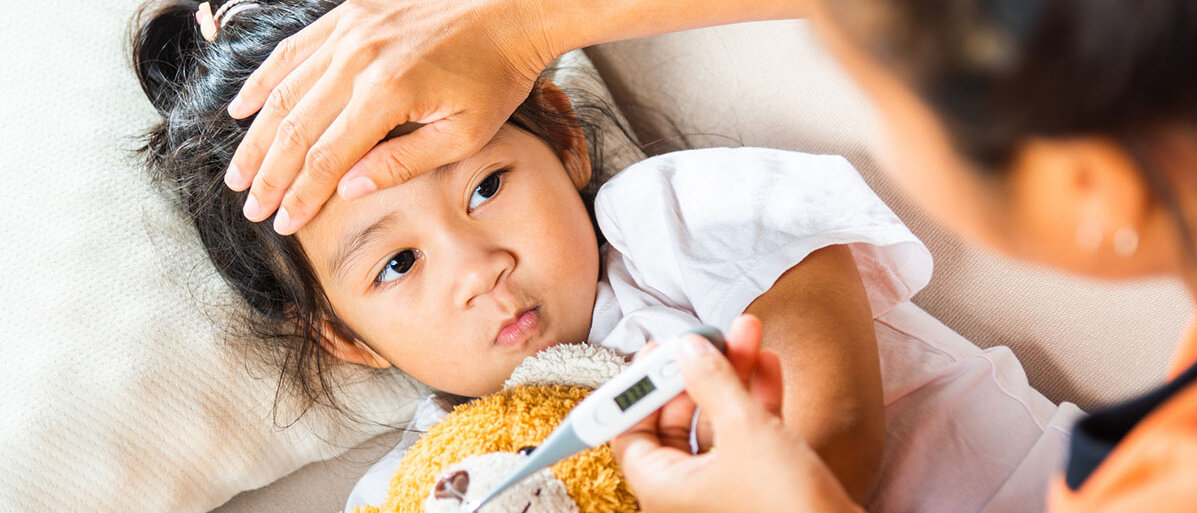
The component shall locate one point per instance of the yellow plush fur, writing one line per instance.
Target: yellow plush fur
(507, 421)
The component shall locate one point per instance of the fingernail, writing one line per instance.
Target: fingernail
(251, 208)
(235, 105)
(358, 187)
(282, 222)
(694, 347)
(232, 177)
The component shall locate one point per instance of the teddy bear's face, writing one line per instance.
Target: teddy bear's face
(499, 426)
(473, 477)
(478, 445)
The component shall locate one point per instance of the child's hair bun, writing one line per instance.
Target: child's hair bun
(165, 39)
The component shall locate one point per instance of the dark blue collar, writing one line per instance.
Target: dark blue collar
(1095, 436)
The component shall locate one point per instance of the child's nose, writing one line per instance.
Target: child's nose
(479, 272)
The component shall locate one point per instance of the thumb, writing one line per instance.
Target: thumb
(714, 385)
(402, 158)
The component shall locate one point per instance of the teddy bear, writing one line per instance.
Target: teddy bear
(481, 442)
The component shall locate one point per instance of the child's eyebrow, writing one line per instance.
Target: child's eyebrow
(354, 243)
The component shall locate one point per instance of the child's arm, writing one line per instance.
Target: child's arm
(720, 232)
(817, 318)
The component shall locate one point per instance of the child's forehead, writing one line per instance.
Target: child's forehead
(507, 139)
(340, 217)
(510, 139)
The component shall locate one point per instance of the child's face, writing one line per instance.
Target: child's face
(459, 274)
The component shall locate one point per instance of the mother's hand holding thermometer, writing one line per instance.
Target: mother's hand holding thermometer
(757, 464)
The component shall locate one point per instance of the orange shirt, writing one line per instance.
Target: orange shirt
(1153, 466)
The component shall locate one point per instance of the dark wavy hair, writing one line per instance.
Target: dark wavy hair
(190, 82)
(1000, 72)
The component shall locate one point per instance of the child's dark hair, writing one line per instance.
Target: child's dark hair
(191, 81)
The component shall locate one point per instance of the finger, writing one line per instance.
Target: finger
(667, 431)
(744, 344)
(648, 348)
(289, 150)
(252, 150)
(285, 58)
(350, 135)
(767, 384)
(640, 439)
(405, 157)
(644, 462)
(643, 459)
(713, 385)
(676, 422)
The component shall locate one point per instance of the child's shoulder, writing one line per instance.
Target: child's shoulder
(672, 174)
(729, 162)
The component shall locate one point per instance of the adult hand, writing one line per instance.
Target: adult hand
(453, 71)
(757, 465)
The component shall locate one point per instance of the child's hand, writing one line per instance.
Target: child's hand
(331, 92)
(757, 463)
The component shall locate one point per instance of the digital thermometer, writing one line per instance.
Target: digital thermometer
(641, 389)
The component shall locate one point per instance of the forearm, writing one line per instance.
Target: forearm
(572, 24)
(817, 318)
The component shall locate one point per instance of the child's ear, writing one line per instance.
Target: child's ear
(346, 348)
(572, 145)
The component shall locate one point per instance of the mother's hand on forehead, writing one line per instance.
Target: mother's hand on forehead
(330, 93)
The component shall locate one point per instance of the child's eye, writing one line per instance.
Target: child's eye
(399, 265)
(486, 190)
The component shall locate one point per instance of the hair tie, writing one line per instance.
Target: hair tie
(210, 22)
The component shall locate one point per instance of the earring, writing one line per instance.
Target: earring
(1126, 242)
(1089, 235)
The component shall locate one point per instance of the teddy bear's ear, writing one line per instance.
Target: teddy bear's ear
(582, 365)
(470, 479)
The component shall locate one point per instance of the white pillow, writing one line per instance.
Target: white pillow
(117, 390)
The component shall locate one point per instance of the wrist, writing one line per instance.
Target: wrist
(559, 26)
(573, 24)
(526, 32)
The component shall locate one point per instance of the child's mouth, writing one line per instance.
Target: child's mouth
(520, 329)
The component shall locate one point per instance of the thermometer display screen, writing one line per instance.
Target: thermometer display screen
(634, 393)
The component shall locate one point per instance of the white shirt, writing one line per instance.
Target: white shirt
(696, 236)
